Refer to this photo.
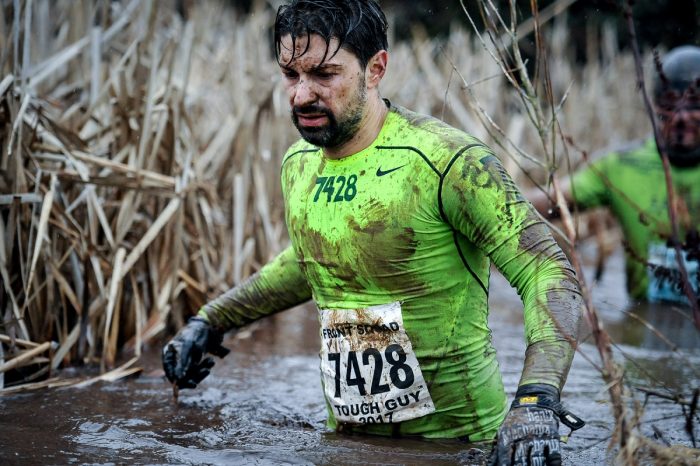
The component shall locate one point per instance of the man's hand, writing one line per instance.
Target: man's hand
(529, 435)
(182, 356)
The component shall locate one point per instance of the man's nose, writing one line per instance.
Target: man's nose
(681, 117)
(304, 93)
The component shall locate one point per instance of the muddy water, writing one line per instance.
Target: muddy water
(263, 403)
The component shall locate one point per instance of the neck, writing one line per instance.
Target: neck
(370, 126)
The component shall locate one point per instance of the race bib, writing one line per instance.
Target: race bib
(370, 372)
(665, 282)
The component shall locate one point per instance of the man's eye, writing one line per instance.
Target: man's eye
(289, 74)
(324, 75)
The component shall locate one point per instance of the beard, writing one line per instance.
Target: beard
(338, 130)
(682, 150)
(683, 157)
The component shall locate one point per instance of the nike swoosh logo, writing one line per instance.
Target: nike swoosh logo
(381, 172)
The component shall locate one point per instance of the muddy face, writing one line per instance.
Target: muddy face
(327, 92)
(679, 114)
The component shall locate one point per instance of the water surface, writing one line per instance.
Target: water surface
(263, 404)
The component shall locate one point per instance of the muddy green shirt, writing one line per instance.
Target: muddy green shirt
(633, 186)
(408, 228)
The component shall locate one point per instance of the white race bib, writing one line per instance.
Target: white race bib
(370, 373)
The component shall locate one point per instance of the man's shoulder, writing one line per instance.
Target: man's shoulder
(431, 136)
(430, 130)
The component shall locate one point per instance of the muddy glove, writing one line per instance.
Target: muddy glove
(182, 356)
(529, 435)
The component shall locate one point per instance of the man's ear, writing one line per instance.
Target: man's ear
(376, 68)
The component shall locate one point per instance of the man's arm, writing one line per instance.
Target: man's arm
(278, 286)
(483, 203)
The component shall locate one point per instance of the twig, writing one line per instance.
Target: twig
(691, 415)
(51, 383)
(17, 341)
(660, 436)
(672, 346)
(26, 356)
(675, 398)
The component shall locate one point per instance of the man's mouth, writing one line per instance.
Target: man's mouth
(312, 119)
(311, 116)
(684, 138)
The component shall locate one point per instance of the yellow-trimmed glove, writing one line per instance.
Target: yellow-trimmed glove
(529, 435)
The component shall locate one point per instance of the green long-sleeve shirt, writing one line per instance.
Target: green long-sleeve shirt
(394, 244)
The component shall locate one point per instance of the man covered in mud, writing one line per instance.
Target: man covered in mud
(632, 184)
(394, 220)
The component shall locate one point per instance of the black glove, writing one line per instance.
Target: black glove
(529, 436)
(182, 356)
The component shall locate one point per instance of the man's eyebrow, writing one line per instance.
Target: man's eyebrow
(327, 67)
(323, 67)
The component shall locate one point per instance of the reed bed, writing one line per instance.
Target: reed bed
(140, 155)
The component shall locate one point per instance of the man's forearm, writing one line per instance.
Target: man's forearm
(500, 221)
(278, 286)
(552, 302)
(553, 305)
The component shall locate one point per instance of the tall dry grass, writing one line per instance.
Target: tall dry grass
(139, 158)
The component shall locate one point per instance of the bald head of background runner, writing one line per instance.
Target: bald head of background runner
(677, 98)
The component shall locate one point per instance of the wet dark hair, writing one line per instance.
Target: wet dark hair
(359, 25)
